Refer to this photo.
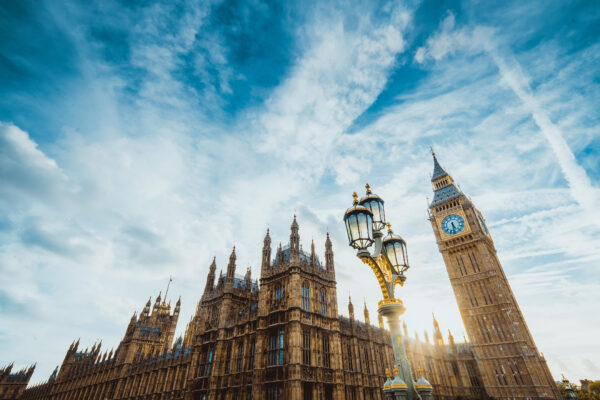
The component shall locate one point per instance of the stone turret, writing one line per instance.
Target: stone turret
(146, 310)
(266, 253)
(248, 279)
(231, 266)
(329, 265)
(451, 341)
(210, 278)
(294, 243)
(438, 339)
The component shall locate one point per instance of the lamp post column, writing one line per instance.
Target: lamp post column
(392, 310)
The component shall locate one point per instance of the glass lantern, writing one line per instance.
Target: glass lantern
(375, 204)
(359, 226)
(395, 250)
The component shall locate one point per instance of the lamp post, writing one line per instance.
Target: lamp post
(365, 221)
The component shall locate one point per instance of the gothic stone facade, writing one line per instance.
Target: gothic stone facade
(12, 384)
(282, 339)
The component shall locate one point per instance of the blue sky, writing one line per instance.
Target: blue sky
(140, 139)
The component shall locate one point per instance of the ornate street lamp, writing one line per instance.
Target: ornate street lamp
(389, 261)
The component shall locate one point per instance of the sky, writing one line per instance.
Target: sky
(140, 139)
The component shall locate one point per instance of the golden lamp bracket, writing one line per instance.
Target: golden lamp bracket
(385, 274)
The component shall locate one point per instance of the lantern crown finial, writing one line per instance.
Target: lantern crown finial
(368, 187)
(355, 197)
(389, 226)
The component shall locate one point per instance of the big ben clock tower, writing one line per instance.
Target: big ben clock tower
(511, 365)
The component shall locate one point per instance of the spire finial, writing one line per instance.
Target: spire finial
(355, 197)
(432, 152)
(168, 284)
(368, 188)
(438, 171)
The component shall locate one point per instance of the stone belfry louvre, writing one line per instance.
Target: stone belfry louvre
(510, 364)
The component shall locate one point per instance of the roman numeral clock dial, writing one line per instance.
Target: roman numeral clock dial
(453, 224)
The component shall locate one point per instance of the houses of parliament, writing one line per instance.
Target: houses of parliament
(281, 336)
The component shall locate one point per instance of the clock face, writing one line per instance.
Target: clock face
(453, 224)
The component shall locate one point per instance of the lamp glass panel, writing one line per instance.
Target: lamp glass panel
(389, 248)
(400, 253)
(362, 222)
(376, 207)
(381, 213)
(354, 229)
(347, 223)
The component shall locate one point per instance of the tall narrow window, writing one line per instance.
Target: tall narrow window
(281, 347)
(305, 297)
(240, 356)
(278, 295)
(276, 348)
(210, 359)
(367, 363)
(326, 358)
(252, 351)
(350, 367)
(306, 347)
(323, 302)
(227, 358)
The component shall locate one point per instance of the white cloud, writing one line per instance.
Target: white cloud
(481, 39)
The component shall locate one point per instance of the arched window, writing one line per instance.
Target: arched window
(305, 297)
(323, 302)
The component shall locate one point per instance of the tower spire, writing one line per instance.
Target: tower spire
(210, 278)
(438, 339)
(231, 266)
(294, 242)
(444, 188)
(329, 255)
(266, 253)
(350, 308)
(438, 171)
(366, 313)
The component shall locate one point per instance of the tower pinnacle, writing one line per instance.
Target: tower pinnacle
(438, 171)
(294, 242)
